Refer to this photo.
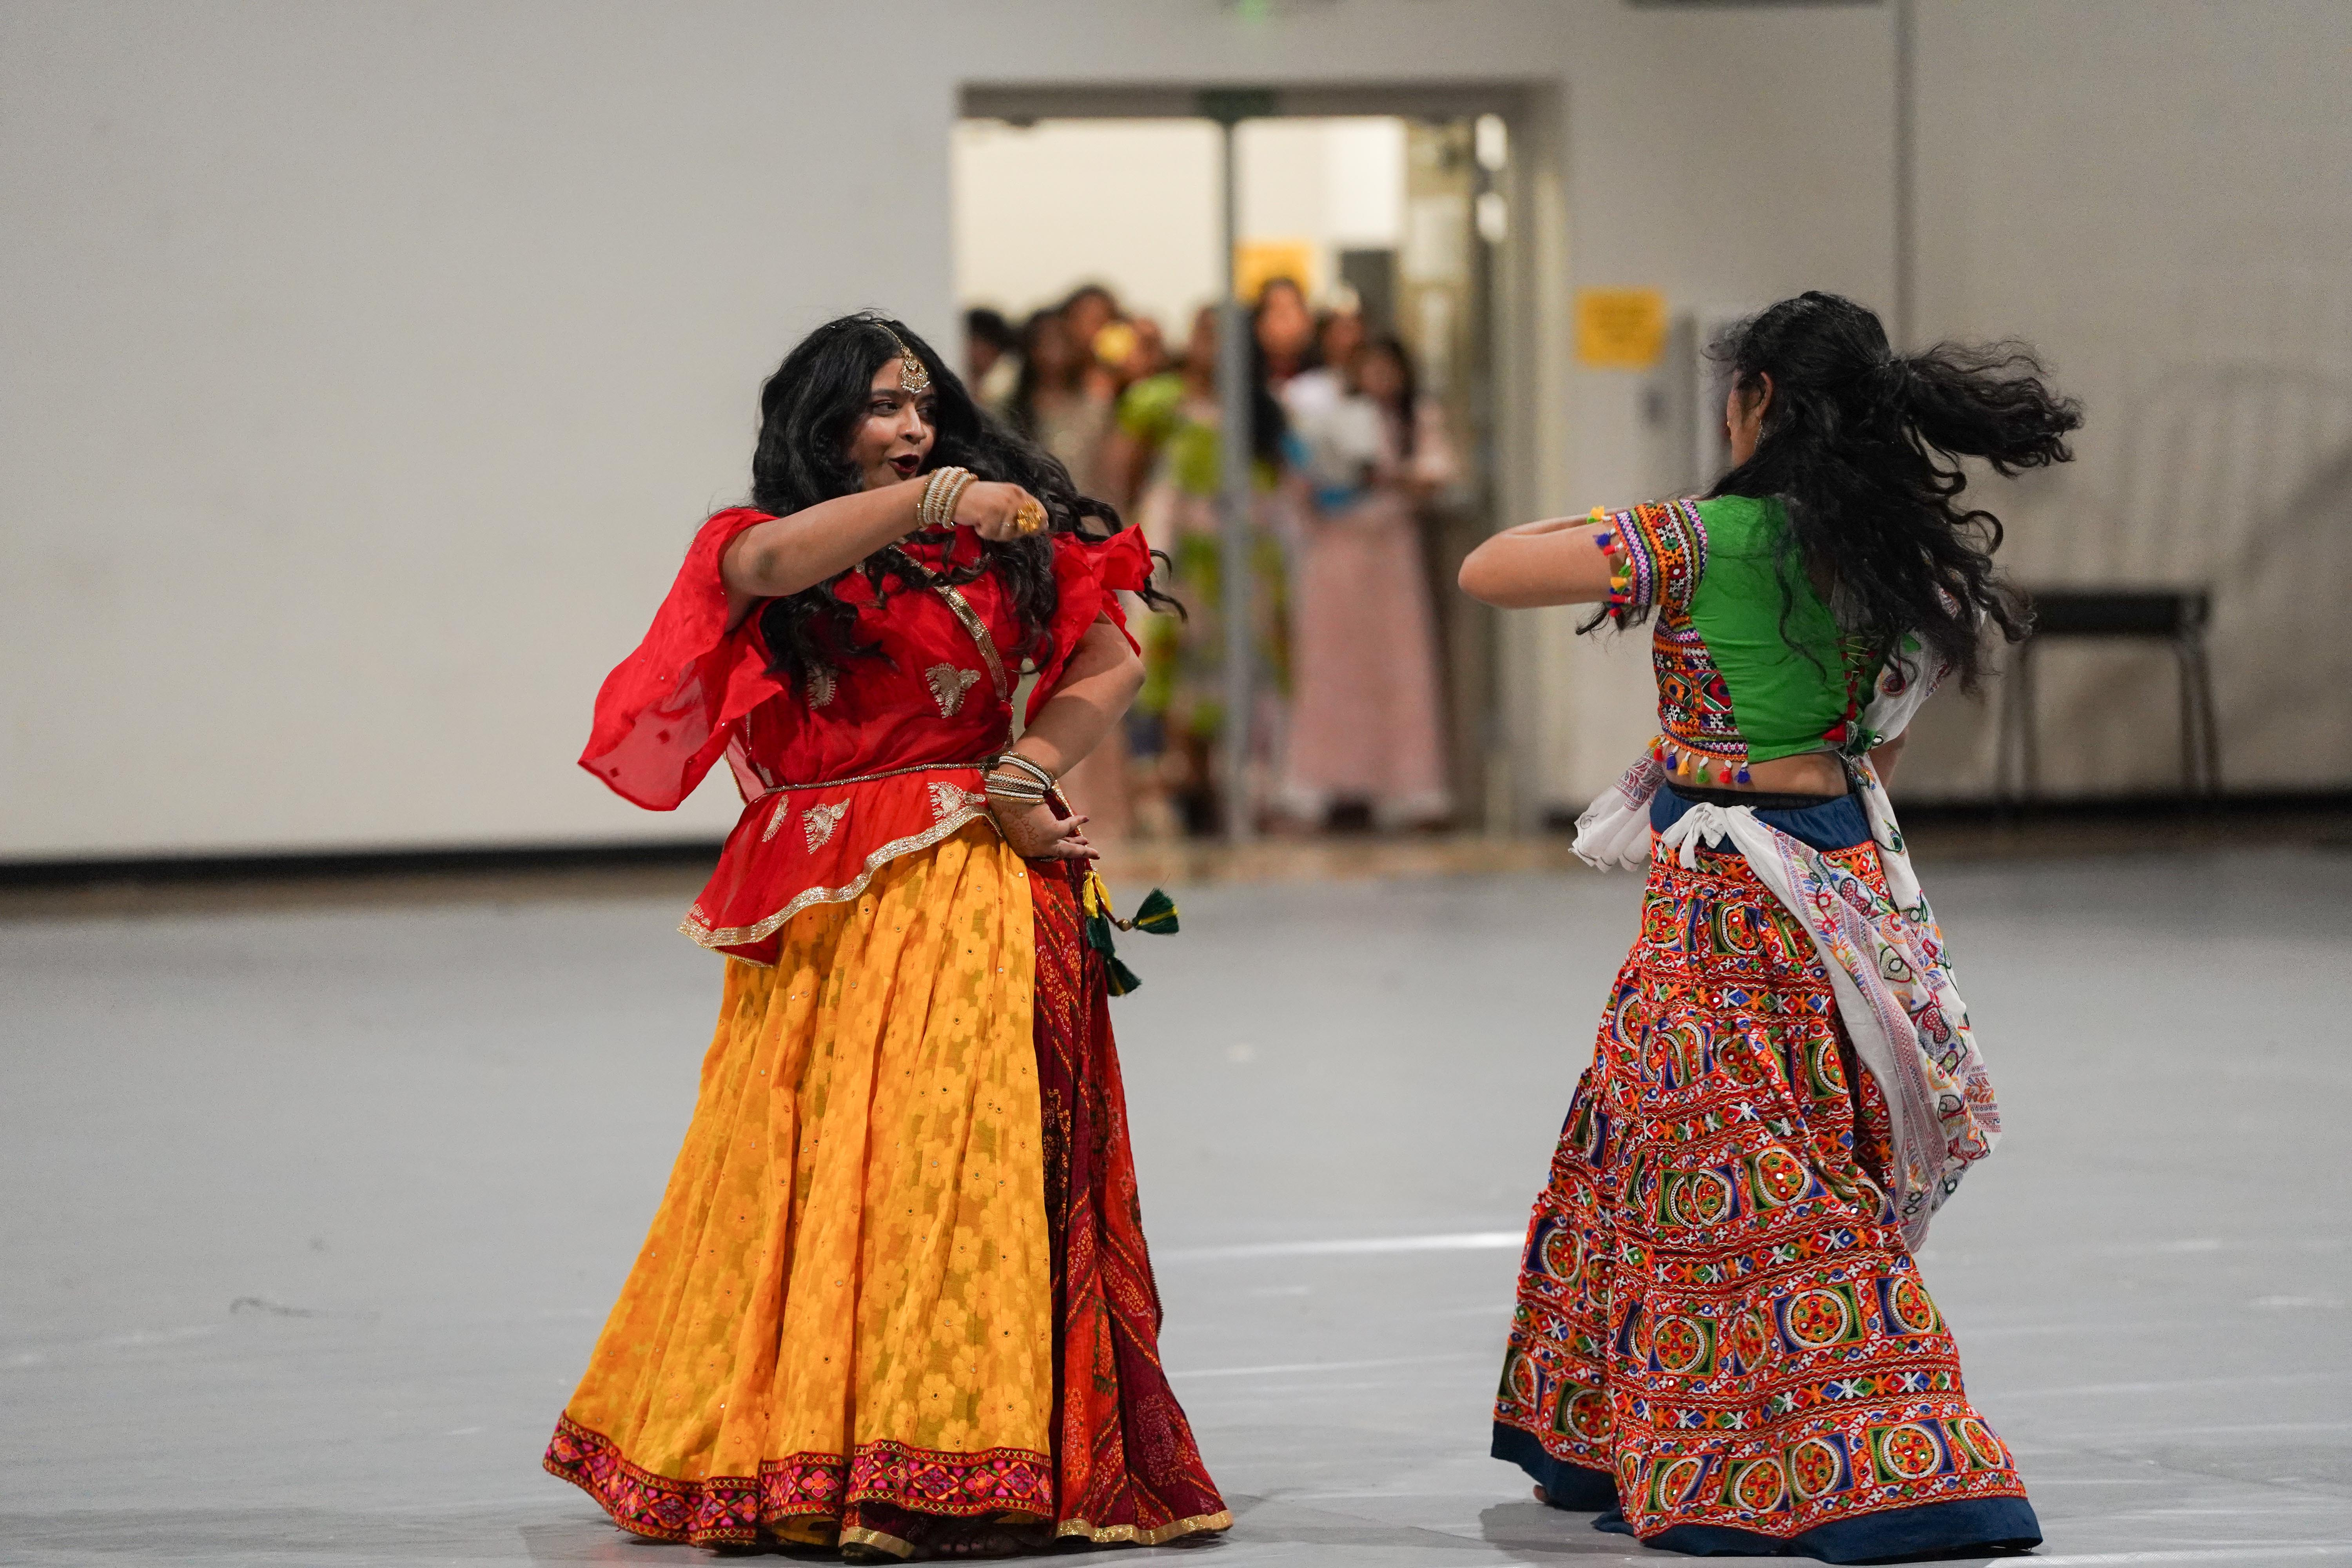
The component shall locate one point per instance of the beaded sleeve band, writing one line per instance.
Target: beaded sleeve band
(1611, 542)
(1657, 553)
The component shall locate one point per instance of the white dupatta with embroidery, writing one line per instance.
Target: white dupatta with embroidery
(1884, 954)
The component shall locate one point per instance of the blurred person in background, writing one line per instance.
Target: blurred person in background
(1338, 335)
(1096, 329)
(1723, 1344)
(1308, 398)
(1147, 351)
(992, 364)
(1062, 398)
(1166, 452)
(1103, 787)
(896, 1301)
(1285, 330)
(1364, 728)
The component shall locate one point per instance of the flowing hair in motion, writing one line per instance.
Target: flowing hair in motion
(1861, 445)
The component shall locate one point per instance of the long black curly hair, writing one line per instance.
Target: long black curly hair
(808, 410)
(1859, 445)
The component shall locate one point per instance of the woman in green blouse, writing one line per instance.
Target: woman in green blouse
(1723, 1344)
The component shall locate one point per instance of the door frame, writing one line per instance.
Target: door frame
(1528, 326)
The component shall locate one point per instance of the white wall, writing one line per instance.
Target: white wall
(2158, 194)
(2153, 193)
(364, 368)
(1135, 204)
(1132, 204)
(1336, 184)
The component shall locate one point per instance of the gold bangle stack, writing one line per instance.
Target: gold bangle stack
(936, 512)
(1005, 781)
(999, 788)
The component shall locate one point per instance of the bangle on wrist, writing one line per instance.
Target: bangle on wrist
(998, 794)
(964, 481)
(935, 512)
(928, 512)
(1014, 784)
(1014, 759)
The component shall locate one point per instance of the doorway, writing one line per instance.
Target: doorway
(1401, 220)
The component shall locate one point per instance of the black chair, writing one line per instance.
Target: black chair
(2176, 617)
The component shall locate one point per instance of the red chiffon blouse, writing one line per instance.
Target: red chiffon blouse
(879, 757)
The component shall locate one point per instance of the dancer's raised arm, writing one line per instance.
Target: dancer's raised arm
(1556, 562)
(817, 544)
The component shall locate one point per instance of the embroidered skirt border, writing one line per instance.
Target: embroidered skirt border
(732, 1510)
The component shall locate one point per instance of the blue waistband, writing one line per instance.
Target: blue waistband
(1837, 824)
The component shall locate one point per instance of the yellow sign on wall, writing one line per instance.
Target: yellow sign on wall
(1620, 329)
(1257, 262)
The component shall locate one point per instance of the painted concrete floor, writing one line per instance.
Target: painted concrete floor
(312, 1215)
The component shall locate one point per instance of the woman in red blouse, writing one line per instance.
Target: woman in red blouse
(897, 1297)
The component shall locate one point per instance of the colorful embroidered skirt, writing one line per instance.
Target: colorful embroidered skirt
(1720, 1338)
(843, 1327)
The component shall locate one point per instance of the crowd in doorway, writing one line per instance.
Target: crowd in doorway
(1349, 461)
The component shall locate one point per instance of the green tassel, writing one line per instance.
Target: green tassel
(1156, 914)
(1119, 978)
(1099, 934)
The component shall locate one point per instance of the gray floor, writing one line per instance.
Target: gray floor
(311, 1216)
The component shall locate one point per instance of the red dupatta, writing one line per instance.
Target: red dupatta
(666, 711)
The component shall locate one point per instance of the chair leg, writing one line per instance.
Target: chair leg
(2197, 679)
(2005, 761)
(2190, 750)
(2029, 731)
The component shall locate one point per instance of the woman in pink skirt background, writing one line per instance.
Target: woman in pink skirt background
(1365, 729)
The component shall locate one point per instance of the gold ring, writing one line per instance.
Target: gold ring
(1030, 518)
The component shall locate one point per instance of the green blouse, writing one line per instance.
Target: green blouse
(1747, 671)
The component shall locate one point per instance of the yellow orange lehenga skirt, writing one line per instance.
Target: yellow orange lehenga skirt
(841, 1326)
(863, 1182)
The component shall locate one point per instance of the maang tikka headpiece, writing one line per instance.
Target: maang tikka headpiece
(914, 375)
